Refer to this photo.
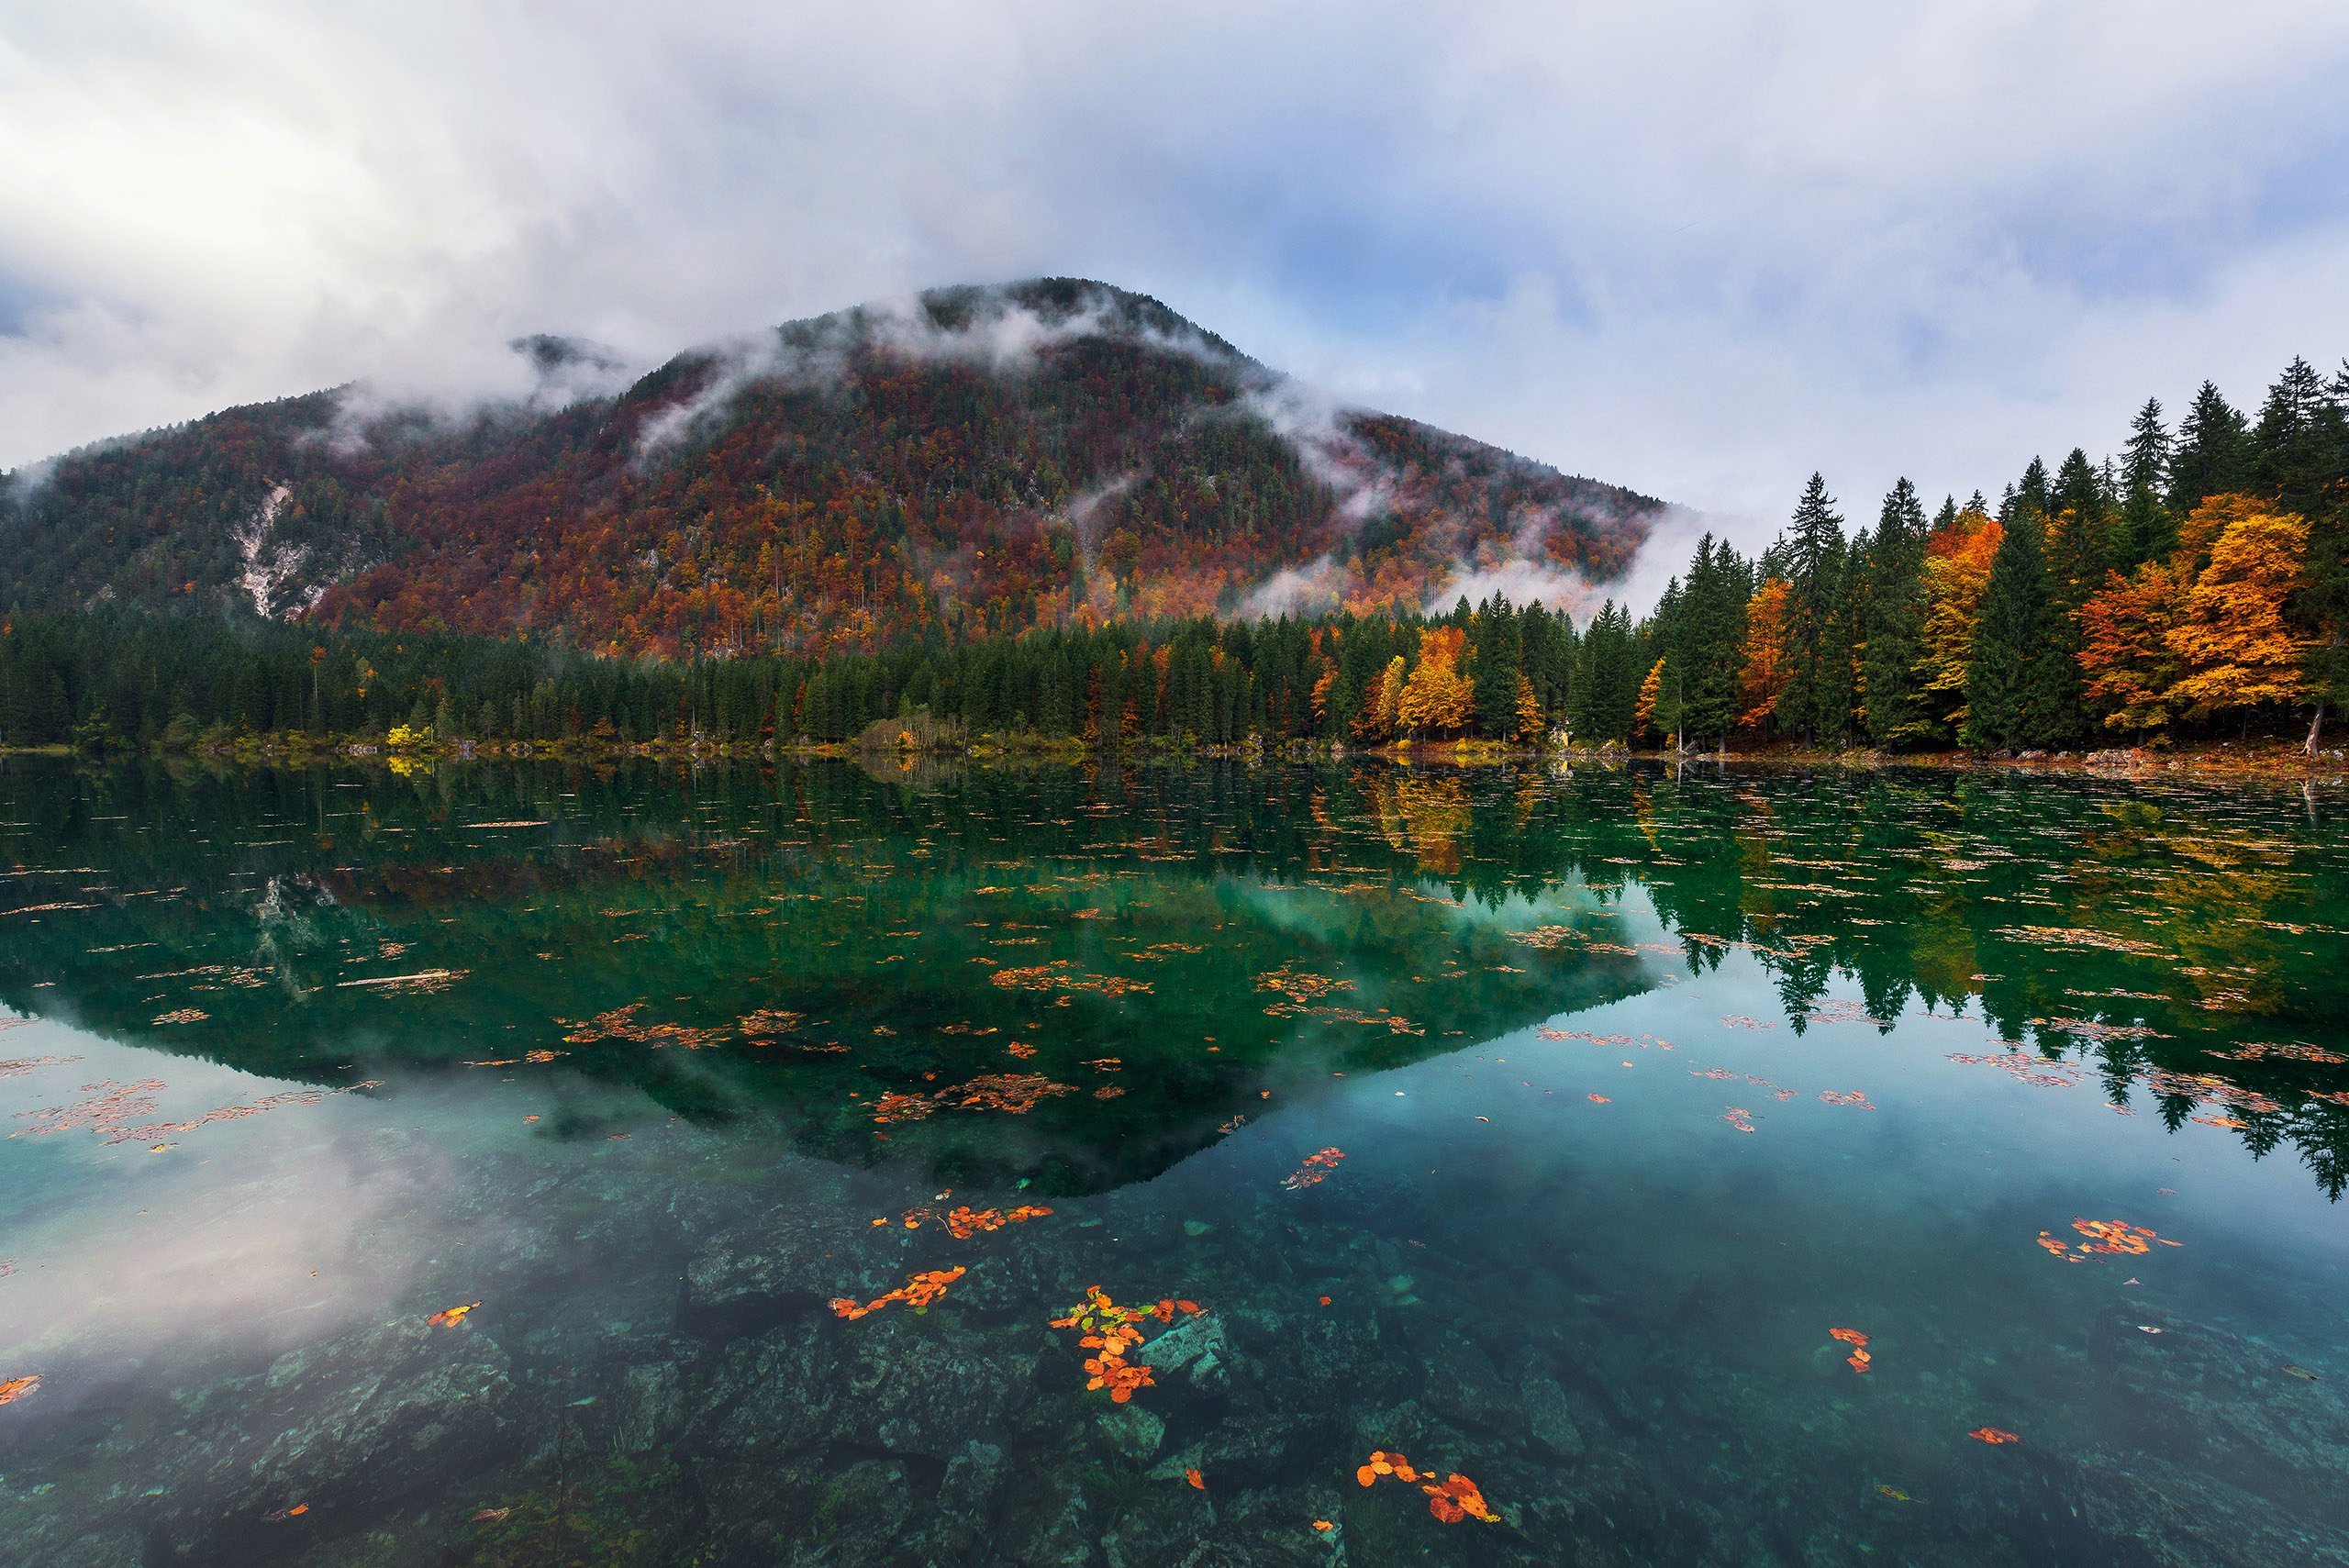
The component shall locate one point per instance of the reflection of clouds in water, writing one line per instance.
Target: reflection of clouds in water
(1333, 916)
(256, 1234)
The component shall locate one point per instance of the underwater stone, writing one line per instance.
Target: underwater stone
(1132, 1430)
(1196, 1227)
(1195, 1345)
(1550, 1418)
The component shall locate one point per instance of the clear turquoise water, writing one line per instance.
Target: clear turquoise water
(1524, 1006)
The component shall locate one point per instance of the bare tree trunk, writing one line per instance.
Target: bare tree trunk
(2316, 727)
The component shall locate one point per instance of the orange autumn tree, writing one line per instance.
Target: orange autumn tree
(1767, 667)
(1437, 697)
(1957, 569)
(2129, 668)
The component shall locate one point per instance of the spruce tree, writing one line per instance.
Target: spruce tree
(2002, 706)
(1818, 700)
(2032, 491)
(2078, 553)
(2147, 530)
(2295, 453)
(2213, 455)
(1893, 614)
(1493, 664)
(1711, 641)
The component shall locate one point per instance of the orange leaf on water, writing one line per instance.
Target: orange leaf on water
(1323, 1525)
(16, 1388)
(1195, 1478)
(449, 1318)
(1993, 1435)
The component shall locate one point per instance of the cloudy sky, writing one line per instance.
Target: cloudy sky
(1699, 249)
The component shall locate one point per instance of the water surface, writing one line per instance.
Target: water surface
(1540, 1128)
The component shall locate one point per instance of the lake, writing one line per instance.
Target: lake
(1189, 1164)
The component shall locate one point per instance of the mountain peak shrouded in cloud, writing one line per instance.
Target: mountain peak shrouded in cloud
(975, 458)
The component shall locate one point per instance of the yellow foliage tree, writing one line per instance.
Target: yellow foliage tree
(1767, 668)
(1650, 690)
(2205, 632)
(2238, 650)
(1437, 697)
(1381, 703)
(1530, 720)
(1957, 568)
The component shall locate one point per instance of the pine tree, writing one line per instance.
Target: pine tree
(1893, 617)
(2213, 455)
(2295, 451)
(2078, 555)
(1710, 641)
(2147, 531)
(1818, 699)
(2003, 702)
(1608, 688)
(1493, 664)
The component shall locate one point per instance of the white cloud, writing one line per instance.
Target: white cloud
(1698, 250)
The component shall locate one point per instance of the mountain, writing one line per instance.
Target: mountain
(980, 458)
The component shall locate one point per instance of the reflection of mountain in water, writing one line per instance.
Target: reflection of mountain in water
(1006, 982)
(1076, 975)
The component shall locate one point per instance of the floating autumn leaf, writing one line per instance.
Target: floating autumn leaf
(1992, 1436)
(1846, 1098)
(1740, 1119)
(1323, 1525)
(1195, 1478)
(1111, 1330)
(1859, 1359)
(449, 1318)
(964, 1222)
(918, 1292)
(1453, 1498)
(1317, 1165)
(2110, 1237)
(16, 1388)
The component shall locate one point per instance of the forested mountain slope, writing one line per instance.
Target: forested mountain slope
(982, 458)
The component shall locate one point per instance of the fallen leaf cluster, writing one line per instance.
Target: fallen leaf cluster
(1451, 1499)
(2113, 1238)
(918, 1292)
(1316, 1166)
(1110, 1331)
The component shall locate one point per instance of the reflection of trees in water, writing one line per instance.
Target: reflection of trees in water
(2132, 927)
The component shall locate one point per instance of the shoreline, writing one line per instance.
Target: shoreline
(2272, 760)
